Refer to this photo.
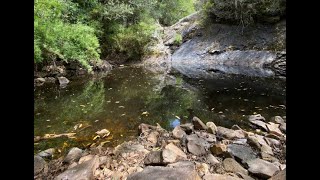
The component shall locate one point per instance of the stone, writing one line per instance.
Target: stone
(161, 173)
(219, 177)
(268, 157)
(231, 165)
(128, 147)
(262, 168)
(212, 128)
(172, 153)
(103, 132)
(103, 66)
(235, 127)
(229, 133)
(196, 147)
(274, 129)
(145, 128)
(50, 79)
(154, 158)
(85, 158)
(63, 81)
(283, 127)
(39, 81)
(198, 124)
(178, 132)
(241, 153)
(244, 176)
(272, 142)
(218, 149)
(240, 141)
(39, 165)
(256, 117)
(212, 160)
(153, 137)
(83, 171)
(260, 124)
(210, 138)
(46, 153)
(188, 128)
(277, 119)
(73, 155)
(202, 168)
(281, 175)
(259, 142)
(189, 164)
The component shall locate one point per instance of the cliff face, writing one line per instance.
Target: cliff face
(225, 44)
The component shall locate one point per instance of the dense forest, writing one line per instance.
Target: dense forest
(89, 30)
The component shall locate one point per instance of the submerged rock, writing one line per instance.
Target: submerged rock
(262, 168)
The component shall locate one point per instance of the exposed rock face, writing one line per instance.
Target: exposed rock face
(248, 11)
(262, 168)
(159, 173)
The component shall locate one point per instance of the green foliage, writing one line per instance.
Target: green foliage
(177, 39)
(56, 38)
(76, 30)
(171, 11)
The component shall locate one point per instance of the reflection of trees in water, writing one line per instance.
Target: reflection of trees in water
(172, 101)
(67, 110)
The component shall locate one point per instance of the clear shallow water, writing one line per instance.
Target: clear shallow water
(126, 97)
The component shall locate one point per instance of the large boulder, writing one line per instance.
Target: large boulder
(161, 173)
(83, 171)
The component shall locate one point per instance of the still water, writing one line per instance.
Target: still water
(122, 99)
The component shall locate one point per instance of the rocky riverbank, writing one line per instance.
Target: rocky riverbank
(190, 151)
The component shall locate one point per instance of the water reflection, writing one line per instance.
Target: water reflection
(126, 97)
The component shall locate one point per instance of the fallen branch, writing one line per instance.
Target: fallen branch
(52, 136)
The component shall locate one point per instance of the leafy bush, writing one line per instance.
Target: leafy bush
(57, 39)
